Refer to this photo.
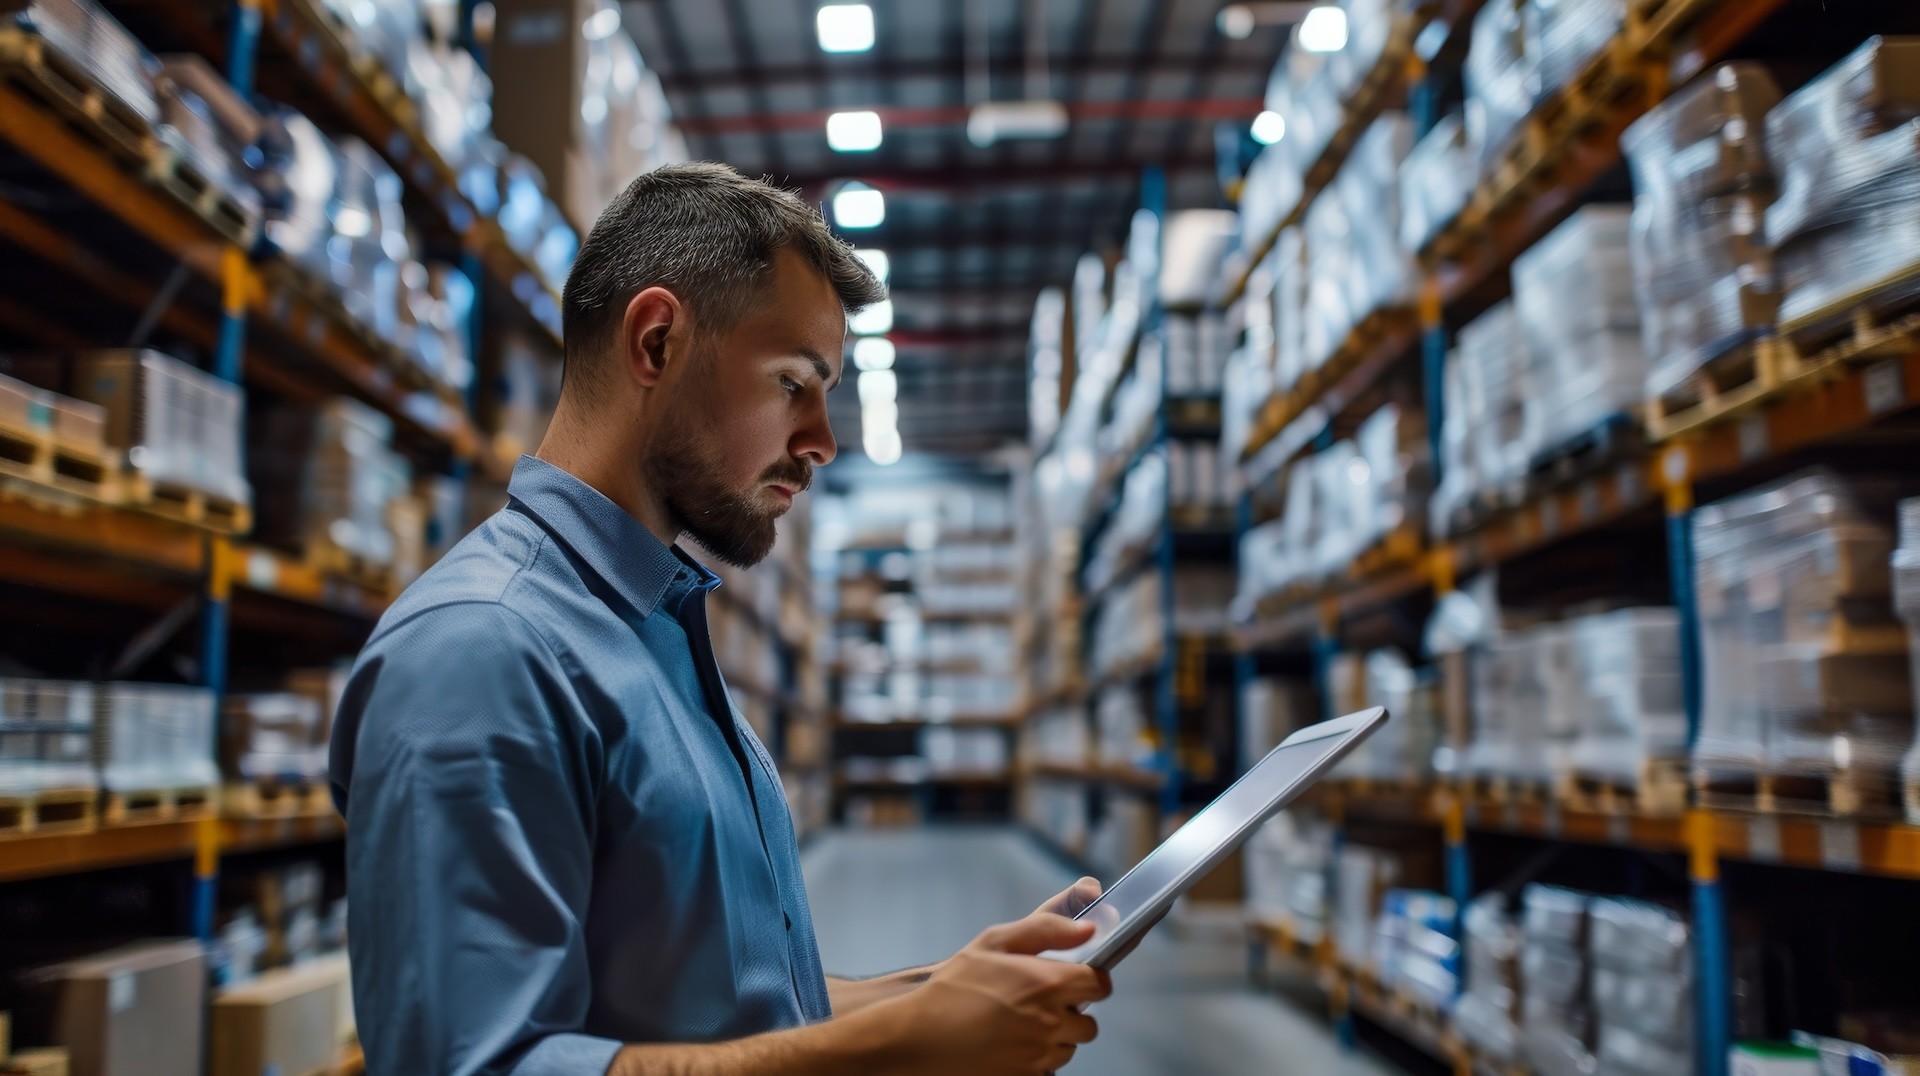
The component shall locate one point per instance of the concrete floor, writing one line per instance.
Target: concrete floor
(886, 899)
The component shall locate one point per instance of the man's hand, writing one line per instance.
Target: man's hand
(997, 1007)
(1074, 899)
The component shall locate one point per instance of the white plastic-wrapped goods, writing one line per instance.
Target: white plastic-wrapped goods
(1702, 183)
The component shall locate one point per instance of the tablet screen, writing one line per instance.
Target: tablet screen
(1248, 799)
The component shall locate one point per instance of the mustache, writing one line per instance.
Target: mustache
(793, 474)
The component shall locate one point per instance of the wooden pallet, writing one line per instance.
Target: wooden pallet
(185, 804)
(330, 559)
(1502, 789)
(29, 64)
(171, 500)
(1659, 789)
(36, 456)
(175, 172)
(1841, 793)
(1402, 546)
(1607, 443)
(48, 811)
(276, 798)
(1726, 387)
(1879, 319)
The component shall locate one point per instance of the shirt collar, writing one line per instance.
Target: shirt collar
(638, 566)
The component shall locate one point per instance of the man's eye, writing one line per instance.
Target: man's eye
(789, 384)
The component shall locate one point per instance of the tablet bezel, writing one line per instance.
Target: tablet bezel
(1353, 728)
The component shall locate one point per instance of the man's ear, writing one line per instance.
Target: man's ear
(648, 334)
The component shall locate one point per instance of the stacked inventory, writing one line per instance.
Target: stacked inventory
(1906, 600)
(1806, 668)
(1847, 150)
(1488, 1013)
(1702, 184)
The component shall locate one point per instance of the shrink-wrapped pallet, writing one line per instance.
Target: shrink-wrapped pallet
(1501, 76)
(46, 736)
(155, 736)
(1702, 183)
(1488, 1012)
(1563, 35)
(1846, 146)
(1642, 987)
(1573, 293)
(1806, 669)
(1436, 180)
(1631, 713)
(86, 36)
(175, 424)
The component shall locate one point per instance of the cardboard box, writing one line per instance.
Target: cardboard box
(134, 1011)
(287, 1020)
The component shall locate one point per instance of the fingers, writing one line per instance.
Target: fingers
(1077, 1028)
(1080, 985)
(1036, 934)
(1057, 1059)
(1074, 899)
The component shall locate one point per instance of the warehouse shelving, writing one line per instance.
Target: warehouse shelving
(43, 855)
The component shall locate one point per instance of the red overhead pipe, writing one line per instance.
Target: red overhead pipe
(956, 115)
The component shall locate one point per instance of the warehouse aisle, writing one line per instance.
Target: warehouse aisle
(886, 899)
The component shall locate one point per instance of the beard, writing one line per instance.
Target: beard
(729, 524)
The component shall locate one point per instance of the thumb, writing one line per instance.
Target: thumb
(1036, 934)
(1074, 899)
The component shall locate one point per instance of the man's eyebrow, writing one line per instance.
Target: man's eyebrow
(821, 367)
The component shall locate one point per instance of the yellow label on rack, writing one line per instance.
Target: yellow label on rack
(1429, 301)
(1703, 860)
(219, 567)
(236, 280)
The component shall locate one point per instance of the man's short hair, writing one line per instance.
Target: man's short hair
(709, 235)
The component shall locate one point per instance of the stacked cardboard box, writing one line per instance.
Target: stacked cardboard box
(1847, 150)
(1487, 1016)
(46, 736)
(1806, 667)
(1702, 184)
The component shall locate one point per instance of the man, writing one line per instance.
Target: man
(566, 852)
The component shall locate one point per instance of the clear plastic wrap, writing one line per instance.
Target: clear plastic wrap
(1290, 279)
(174, 423)
(1638, 937)
(1655, 1006)
(1415, 949)
(1501, 77)
(328, 475)
(1436, 180)
(1555, 916)
(1270, 190)
(1702, 184)
(1495, 384)
(210, 125)
(1526, 711)
(87, 36)
(1622, 1051)
(1402, 750)
(1806, 671)
(1562, 35)
(1394, 449)
(1847, 149)
(46, 736)
(277, 735)
(1488, 1011)
(1573, 293)
(1369, 182)
(1626, 666)
(156, 736)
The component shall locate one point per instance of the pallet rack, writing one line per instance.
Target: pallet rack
(1857, 386)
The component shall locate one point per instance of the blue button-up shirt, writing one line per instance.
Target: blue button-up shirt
(561, 835)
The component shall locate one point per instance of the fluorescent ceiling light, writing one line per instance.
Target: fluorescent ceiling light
(853, 132)
(883, 446)
(1000, 121)
(1324, 29)
(873, 320)
(877, 261)
(878, 386)
(1269, 127)
(879, 415)
(859, 207)
(873, 353)
(844, 27)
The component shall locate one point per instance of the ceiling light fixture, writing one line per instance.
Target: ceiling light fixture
(1324, 29)
(883, 446)
(873, 353)
(853, 132)
(873, 320)
(859, 206)
(602, 24)
(844, 27)
(878, 386)
(1038, 115)
(877, 261)
(1269, 127)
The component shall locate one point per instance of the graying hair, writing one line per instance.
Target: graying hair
(707, 234)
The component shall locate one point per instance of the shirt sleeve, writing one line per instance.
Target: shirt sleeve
(469, 805)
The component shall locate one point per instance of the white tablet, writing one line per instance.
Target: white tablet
(1133, 904)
